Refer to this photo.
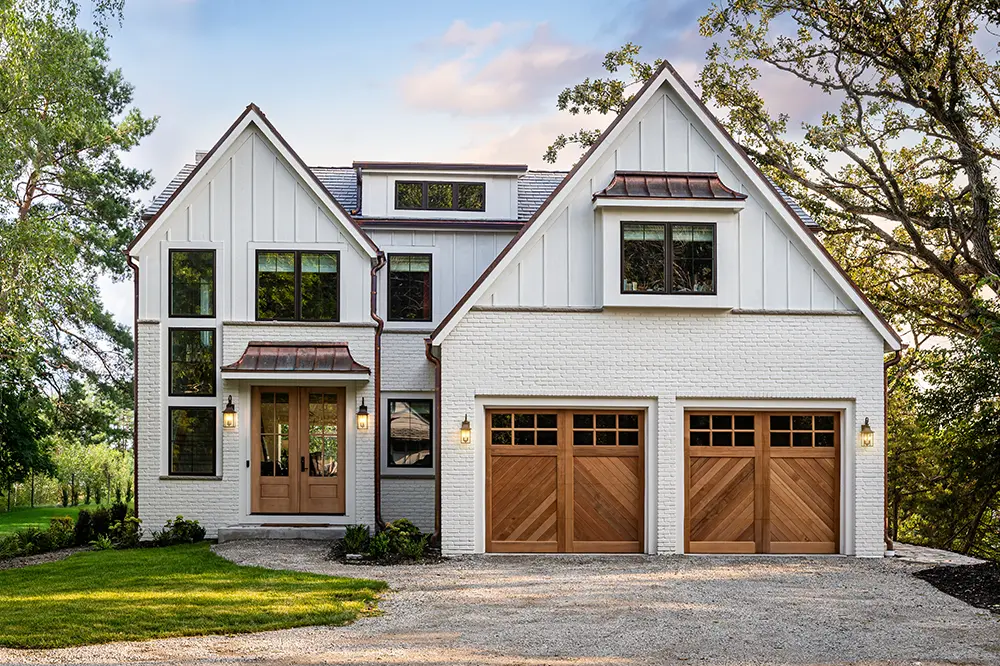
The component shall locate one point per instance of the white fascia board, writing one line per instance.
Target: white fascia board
(554, 204)
(777, 204)
(689, 204)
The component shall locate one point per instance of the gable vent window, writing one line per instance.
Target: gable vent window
(435, 195)
(410, 287)
(668, 258)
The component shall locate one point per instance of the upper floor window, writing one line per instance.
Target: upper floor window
(298, 285)
(410, 287)
(669, 258)
(192, 283)
(434, 195)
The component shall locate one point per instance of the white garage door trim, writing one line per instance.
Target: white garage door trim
(848, 451)
(479, 450)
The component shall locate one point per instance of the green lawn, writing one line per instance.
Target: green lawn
(39, 517)
(103, 596)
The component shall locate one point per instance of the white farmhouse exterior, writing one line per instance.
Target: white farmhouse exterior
(651, 353)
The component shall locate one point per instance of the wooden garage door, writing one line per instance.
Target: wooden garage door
(564, 481)
(762, 482)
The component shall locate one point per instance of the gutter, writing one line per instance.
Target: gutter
(377, 263)
(896, 358)
(135, 383)
(428, 350)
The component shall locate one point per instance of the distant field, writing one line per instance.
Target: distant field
(39, 516)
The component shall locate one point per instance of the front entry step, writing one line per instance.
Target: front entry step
(308, 532)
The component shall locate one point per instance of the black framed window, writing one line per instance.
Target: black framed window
(192, 283)
(192, 361)
(668, 258)
(298, 285)
(410, 287)
(410, 433)
(439, 195)
(192, 441)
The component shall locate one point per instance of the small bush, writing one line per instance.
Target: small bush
(178, 531)
(356, 538)
(118, 512)
(62, 531)
(401, 532)
(84, 528)
(413, 548)
(102, 542)
(127, 533)
(101, 520)
(379, 546)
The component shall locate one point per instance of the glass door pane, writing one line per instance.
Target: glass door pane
(274, 432)
(324, 433)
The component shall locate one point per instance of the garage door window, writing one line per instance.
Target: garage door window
(721, 429)
(601, 429)
(802, 430)
(524, 428)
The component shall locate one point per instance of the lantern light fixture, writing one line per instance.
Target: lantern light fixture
(363, 416)
(466, 431)
(229, 416)
(867, 434)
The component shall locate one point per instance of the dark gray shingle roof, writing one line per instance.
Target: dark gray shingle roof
(794, 205)
(341, 182)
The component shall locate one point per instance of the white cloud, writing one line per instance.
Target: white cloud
(525, 143)
(476, 40)
(481, 81)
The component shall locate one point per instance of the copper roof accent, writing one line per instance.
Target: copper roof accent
(296, 357)
(668, 185)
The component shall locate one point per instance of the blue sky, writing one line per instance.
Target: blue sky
(375, 80)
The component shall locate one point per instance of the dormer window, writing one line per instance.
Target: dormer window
(437, 195)
(668, 258)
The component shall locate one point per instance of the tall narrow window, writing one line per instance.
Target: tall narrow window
(298, 286)
(410, 427)
(192, 283)
(668, 258)
(192, 441)
(192, 361)
(410, 287)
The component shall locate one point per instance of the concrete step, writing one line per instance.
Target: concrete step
(310, 532)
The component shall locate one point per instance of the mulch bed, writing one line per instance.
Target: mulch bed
(43, 558)
(976, 584)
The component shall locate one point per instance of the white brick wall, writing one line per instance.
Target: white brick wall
(662, 355)
(216, 503)
(405, 368)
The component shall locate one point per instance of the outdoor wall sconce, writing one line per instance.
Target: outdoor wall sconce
(229, 416)
(466, 431)
(362, 416)
(867, 434)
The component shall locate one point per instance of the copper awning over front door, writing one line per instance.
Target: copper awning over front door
(300, 358)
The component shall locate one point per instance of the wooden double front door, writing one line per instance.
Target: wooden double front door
(762, 482)
(297, 450)
(567, 481)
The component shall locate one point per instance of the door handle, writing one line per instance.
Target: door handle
(302, 461)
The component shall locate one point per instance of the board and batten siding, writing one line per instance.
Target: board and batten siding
(561, 267)
(250, 199)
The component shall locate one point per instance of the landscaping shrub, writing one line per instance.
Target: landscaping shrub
(127, 533)
(103, 542)
(34, 541)
(379, 546)
(118, 512)
(84, 528)
(101, 520)
(62, 531)
(413, 548)
(178, 531)
(356, 538)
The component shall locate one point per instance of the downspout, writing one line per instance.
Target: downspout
(897, 357)
(377, 263)
(437, 438)
(135, 383)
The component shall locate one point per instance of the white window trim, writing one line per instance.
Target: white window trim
(383, 416)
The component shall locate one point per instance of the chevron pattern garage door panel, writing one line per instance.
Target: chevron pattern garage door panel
(606, 504)
(803, 505)
(721, 505)
(523, 503)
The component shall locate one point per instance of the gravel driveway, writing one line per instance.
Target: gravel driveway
(603, 610)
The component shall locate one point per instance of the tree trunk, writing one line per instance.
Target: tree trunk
(72, 485)
(32, 489)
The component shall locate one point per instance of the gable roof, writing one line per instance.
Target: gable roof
(253, 115)
(666, 74)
